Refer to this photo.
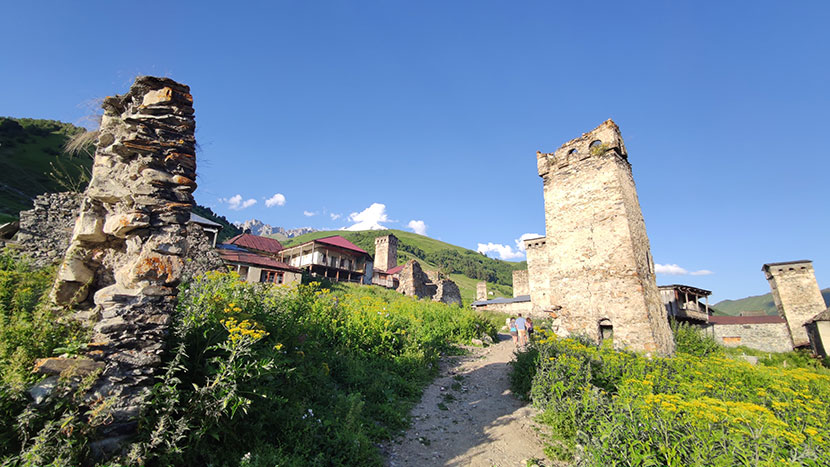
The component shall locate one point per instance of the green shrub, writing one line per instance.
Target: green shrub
(616, 408)
(690, 340)
(29, 329)
(293, 375)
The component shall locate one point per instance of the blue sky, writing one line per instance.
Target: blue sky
(435, 110)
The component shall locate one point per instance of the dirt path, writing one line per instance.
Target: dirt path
(468, 416)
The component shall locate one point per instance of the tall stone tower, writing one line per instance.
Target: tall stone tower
(386, 252)
(598, 260)
(796, 295)
(481, 291)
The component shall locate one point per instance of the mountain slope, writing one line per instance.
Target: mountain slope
(464, 266)
(757, 302)
(29, 151)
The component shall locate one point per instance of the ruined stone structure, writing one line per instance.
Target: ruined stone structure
(537, 273)
(481, 290)
(386, 252)
(447, 292)
(414, 282)
(520, 283)
(45, 229)
(796, 295)
(200, 256)
(126, 253)
(596, 253)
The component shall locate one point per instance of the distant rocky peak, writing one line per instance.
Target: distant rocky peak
(257, 227)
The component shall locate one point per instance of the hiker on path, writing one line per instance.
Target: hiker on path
(514, 333)
(521, 327)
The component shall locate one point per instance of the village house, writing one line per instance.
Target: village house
(333, 258)
(255, 259)
(686, 303)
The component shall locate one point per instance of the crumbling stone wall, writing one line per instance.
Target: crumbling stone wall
(126, 254)
(520, 284)
(481, 291)
(447, 292)
(598, 256)
(796, 295)
(200, 256)
(45, 229)
(414, 282)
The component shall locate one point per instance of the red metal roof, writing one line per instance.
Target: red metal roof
(255, 242)
(746, 319)
(338, 241)
(233, 256)
(396, 269)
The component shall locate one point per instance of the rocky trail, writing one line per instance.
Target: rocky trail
(469, 416)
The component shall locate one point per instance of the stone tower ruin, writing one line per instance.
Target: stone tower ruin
(386, 252)
(594, 266)
(125, 257)
(481, 291)
(796, 294)
(520, 284)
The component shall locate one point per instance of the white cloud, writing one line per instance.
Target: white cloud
(520, 242)
(236, 203)
(369, 218)
(277, 200)
(334, 216)
(309, 213)
(504, 251)
(419, 227)
(702, 272)
(675, 270)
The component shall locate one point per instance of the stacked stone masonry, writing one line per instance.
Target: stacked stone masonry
(520, 284)
(596, 253)
(386, 252)
(414, 282)
(45, 229)
(125, 257)
(796, 295)
(481, 291)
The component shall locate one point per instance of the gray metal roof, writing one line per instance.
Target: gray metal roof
(197, 219)
(500, 300)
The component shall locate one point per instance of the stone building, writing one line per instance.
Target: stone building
(481, 291)
(796, 294)
(520, 283)
(765, 333)
(386, 252)
(818, 329)
(594, 264)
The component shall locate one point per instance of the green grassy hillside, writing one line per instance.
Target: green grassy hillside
(29, 151)
(464, 266)
(757, 302)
